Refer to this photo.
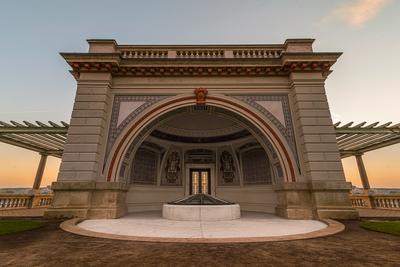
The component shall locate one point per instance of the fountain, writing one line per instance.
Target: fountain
(201, 207)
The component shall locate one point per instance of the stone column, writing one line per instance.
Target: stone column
(38, 180)
(39, 172)
(323, 191)
(362, 171)
(81, 189)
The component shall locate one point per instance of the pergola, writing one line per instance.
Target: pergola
(49, 140)
(46, 139)
(360, 138)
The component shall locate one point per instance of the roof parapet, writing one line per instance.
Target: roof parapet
(298, 45)
(102, 45)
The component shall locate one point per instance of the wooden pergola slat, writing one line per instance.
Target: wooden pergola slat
(360, 139)
(48, 139)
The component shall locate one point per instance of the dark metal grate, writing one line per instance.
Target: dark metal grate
(200, 199)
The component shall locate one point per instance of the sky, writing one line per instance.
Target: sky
(35, 83)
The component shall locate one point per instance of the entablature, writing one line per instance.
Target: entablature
(201, 60)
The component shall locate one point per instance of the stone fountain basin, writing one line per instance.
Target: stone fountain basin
(201, 212)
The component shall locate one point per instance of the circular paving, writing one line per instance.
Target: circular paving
(251, 227)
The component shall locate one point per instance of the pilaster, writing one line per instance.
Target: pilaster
(79, 185)
(83, 154)
(321, 164)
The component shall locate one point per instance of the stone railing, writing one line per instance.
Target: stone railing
(24, 201)
(200, 53)
(205, 53)
(144, 54)
(387, 202)
(257, 53)
(376, 201)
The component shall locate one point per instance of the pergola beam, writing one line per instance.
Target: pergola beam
(31, 130)
(381, 145)
(21, 144)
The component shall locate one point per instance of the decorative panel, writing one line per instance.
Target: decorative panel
(171, 173)
(227, 167)
(125, 109)
(277, 109)
(200, 156)
(144, 167)
(256, 167)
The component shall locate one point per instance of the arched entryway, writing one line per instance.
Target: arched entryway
(178, 148)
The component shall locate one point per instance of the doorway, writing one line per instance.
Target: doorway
(200, 181)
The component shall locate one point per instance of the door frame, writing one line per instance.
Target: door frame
(210, 166)
(208, 170)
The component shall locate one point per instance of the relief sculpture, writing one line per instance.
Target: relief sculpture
(172, 168)
(227, 167)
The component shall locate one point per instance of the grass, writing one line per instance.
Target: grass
(389, 227)
(15, 226)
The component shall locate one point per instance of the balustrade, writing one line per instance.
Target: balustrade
(200, 53)
(136, 53)
(9, 201)
(144, 54)
(256, 53)
(375, 201)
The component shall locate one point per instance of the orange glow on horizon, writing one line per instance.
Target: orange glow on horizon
(18, 167)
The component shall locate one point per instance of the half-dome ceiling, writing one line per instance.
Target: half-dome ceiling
(203, 124)
(200, 123)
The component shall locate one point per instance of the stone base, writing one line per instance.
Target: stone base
(201, 212)
(100, 200)
(339, 213)
(315, 200)
(296, 213)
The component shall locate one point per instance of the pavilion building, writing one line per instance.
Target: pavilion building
(246, 123)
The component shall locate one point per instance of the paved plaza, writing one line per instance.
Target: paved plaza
(51, 246)
(250, 225)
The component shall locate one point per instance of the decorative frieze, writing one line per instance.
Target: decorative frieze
(130, 106)
(278, 114)
(194, 70)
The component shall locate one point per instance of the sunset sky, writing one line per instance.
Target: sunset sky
(35, 83)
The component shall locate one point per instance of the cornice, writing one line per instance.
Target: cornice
(201, 60)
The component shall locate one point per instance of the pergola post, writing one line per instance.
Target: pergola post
(362, 171)
(40, 171)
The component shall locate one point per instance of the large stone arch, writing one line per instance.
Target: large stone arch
(137, 129)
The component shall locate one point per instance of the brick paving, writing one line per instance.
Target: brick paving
(50, 246)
